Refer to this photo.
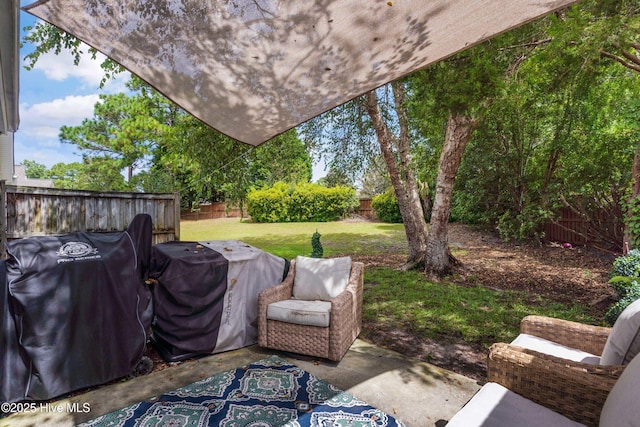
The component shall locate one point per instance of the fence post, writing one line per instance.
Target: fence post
(176, 214)
(3, 219)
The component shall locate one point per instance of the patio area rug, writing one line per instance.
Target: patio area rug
(268, 393)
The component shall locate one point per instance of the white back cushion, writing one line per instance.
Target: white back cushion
(320, 278)
(621, 408)
(624, 340)
(549, 347)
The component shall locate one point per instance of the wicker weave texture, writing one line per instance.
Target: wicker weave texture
(309, 340)
(573, 389)
(576, 335)
(276, 293)
(331, 343)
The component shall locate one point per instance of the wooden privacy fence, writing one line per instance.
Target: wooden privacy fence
(603, 230)
(569, 228)
(211, 211)
(34, 211)
(219, 210)
(366, 210)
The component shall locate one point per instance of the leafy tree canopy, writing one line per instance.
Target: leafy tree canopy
(35, 170)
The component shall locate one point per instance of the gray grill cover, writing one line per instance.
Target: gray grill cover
(206, 298)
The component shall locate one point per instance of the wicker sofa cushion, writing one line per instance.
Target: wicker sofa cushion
(320, 278)
(496, 406)
(554, 349)
(312, 313)
(623, 342)
(621, 408)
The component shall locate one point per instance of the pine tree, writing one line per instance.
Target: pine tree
(316, 245)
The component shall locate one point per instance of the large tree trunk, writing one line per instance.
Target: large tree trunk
(438, 259)
(401, 172)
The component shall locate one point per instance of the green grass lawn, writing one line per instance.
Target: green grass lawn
(289, 240)
(395, 299)
(446, 311)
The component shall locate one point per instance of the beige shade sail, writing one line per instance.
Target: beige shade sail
(253, 69)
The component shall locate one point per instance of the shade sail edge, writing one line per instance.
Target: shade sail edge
(255, 72)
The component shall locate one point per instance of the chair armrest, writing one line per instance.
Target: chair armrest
(346, 310)
(280, 292)
(576, 335)
(354, 286)
(573, 389)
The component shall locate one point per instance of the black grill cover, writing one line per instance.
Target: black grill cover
(13, 370)
(81, 308)
(188, 298)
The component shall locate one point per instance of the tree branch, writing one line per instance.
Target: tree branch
(631, 57)
(621, 60)
(530, 44)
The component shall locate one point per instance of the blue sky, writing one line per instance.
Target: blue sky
(53, 94)
(57, 93)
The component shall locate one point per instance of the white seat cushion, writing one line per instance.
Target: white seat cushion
(320, 278)
(623, 342)
(301, 312)
(554, 349)
(496, 406)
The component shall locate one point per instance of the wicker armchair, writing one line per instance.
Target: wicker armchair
(572, 388)
(330, 342)
(528, 388)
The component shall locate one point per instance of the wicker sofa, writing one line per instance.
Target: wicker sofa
(330, 342)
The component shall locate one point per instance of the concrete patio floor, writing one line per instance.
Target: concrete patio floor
(414, 392)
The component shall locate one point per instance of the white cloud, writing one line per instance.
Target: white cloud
(60, 67)
(67, 111)
(63, 94)
(88, 71)
(43, 132)
(46, 155)
(37, 137)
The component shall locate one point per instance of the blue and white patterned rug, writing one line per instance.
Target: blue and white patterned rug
(268, 393)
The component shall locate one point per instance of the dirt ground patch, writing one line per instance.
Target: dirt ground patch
(551, 270)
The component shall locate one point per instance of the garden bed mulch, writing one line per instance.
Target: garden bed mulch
(567, 275)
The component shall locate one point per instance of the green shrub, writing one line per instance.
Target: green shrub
(626, 282)
(464, 209)
(338, 201)
(386, 207)
(270, 204)
(523, 226)
(633, 221)
(301, 203)
(628, 290)
(627, 265)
